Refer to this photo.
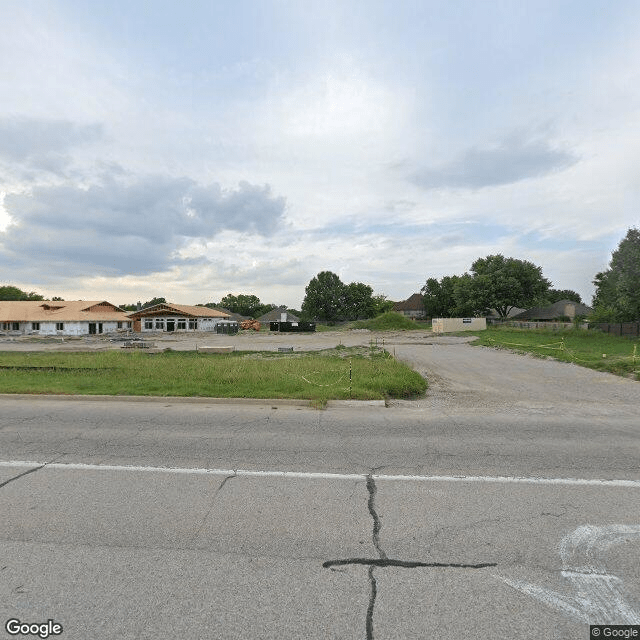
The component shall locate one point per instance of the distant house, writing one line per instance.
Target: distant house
(493, 314)
(232, 315)
(556, 311)
(64, 317)
(169, 317)
(279, 314)
(412, 307)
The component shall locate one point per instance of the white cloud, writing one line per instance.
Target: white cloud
(115, 161)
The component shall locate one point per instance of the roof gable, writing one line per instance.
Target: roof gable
(275, 314)
(59, 311)
(412, 303)
(169, 308)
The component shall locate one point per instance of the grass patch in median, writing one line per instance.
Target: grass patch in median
(362, 374)
(587, 348)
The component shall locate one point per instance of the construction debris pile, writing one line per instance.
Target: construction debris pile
(250, 324)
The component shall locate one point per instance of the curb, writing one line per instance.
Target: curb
(195, 400)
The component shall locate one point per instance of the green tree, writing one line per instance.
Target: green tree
(447, 298)
(9, 292)
(381, 304)
(502, 283)
(357, 301)
(555, 295)
(153, 302)
(617, 294)
(438, 297)
(463, 296)
(323, 297)
(245, 305)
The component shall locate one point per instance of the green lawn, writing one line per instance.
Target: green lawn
(341, 373)
(587, 348)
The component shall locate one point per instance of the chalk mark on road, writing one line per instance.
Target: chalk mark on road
(598, 597)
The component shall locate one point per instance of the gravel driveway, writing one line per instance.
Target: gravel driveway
(464, 378)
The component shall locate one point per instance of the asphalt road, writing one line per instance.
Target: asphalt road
(503, 505)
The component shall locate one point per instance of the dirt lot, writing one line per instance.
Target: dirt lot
(244, 341)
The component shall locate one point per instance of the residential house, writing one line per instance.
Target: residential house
(412, 307)
(494, 317)
(64, 317)
(279, 314)
(556, 311)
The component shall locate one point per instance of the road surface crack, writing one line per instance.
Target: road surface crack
(24, 473)
(405, 564)
(194, 537)
(377, 524)
(383, 561)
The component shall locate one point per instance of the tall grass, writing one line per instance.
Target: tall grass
(310, 376)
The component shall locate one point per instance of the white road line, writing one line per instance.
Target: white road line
(77, 466)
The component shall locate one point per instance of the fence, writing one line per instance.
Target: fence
(626, 329)
(553, 326)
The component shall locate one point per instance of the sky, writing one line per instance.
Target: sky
(199, 148)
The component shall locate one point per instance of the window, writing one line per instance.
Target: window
(193, 323)
(59, 326)
(35, 326)
(182, 323)
(160, 323)
(148, 323)
(119, 325)
(15, 326)
(128, 325)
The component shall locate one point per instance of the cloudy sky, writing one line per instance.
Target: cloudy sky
(203, 147)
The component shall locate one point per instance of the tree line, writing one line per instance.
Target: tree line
(9, 292)
(500, 283)
(243, 304)
(493, 282)
(617, 297)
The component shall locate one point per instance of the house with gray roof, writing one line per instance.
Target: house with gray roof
(561, 309)
(279, 314)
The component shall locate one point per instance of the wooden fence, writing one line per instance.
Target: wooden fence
(626, 329)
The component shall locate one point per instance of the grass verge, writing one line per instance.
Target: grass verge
(588, 348)
(333, 374)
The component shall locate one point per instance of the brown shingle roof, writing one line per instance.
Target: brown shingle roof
(186, 310)
(412, 303)
(59, 311)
